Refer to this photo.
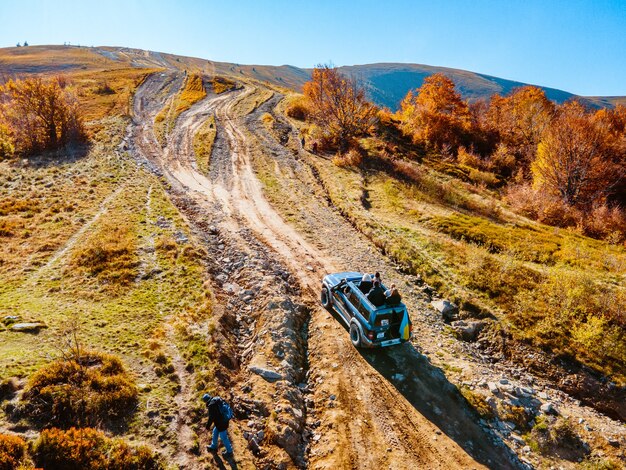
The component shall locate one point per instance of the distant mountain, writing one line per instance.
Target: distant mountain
(386, 83)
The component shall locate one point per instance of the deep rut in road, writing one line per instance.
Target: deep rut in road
(327, 406)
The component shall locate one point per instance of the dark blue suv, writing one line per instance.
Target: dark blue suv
(370, 326)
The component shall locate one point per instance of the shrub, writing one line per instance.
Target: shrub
(502, 161)
(91, 389)
(6, 143)
(464, 157)
(605, 222)
(110, 254)
(541, 206)
(483, 177)
(408, 171)
(571, 314)
(478, 402)
(8, 387)
(351, 158)
(12, 451)
(297, 109)
(522, 199)
(558, 437)
(77, 449)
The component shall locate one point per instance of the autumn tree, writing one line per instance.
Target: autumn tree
(520, 119)
(40, 114)
(435, 114)
(573, 160)
(613, 121)
(338, 105)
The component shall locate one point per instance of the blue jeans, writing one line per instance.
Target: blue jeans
(223, 435)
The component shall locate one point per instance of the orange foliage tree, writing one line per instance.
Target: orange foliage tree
(573, 159)
(39, 114)
(338, 105)
(614, 122)
(435, 115)
(520, 119)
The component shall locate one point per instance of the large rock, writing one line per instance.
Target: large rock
(548, 409)
(28, 327)
(468, 330)
(267, 374)
(447, 309)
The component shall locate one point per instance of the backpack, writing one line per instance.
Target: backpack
(225, 410)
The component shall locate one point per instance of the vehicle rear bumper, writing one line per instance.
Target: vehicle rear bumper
(366, 343)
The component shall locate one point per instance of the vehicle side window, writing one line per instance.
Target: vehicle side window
(362, 309)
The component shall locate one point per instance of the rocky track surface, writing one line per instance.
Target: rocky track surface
(304, 396)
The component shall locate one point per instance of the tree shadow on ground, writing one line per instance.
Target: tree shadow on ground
(428, 390)
(69, 154)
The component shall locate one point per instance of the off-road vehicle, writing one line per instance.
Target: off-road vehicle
(369, 326)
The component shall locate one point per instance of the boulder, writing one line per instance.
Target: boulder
(548, 409)
(468, 330)
(267, 374)
(28, 327)
(447, 309)
(493, 388)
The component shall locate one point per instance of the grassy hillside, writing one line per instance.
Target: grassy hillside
(550, 287)
(387, 83)
(90, 241)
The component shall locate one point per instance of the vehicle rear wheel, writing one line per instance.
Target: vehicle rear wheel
(355, 335)
(325, 298)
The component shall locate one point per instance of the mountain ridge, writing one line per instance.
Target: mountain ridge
(386, 82)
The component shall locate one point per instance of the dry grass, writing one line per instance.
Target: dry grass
(110, 253)
(222, 85)
(250, 101)
(191, 92)
(464, 241)
(203, 144)
(72, 244)
(119, 85)
(43, 205)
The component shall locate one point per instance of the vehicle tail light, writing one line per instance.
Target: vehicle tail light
(370, 334)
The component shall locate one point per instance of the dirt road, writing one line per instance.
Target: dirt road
(328, 405)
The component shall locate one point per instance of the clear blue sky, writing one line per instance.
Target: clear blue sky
(575, 45)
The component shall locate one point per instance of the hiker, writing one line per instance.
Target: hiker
(392, 295)
(377, 295)
(366, 283)
(377, 278)
(220, 414)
